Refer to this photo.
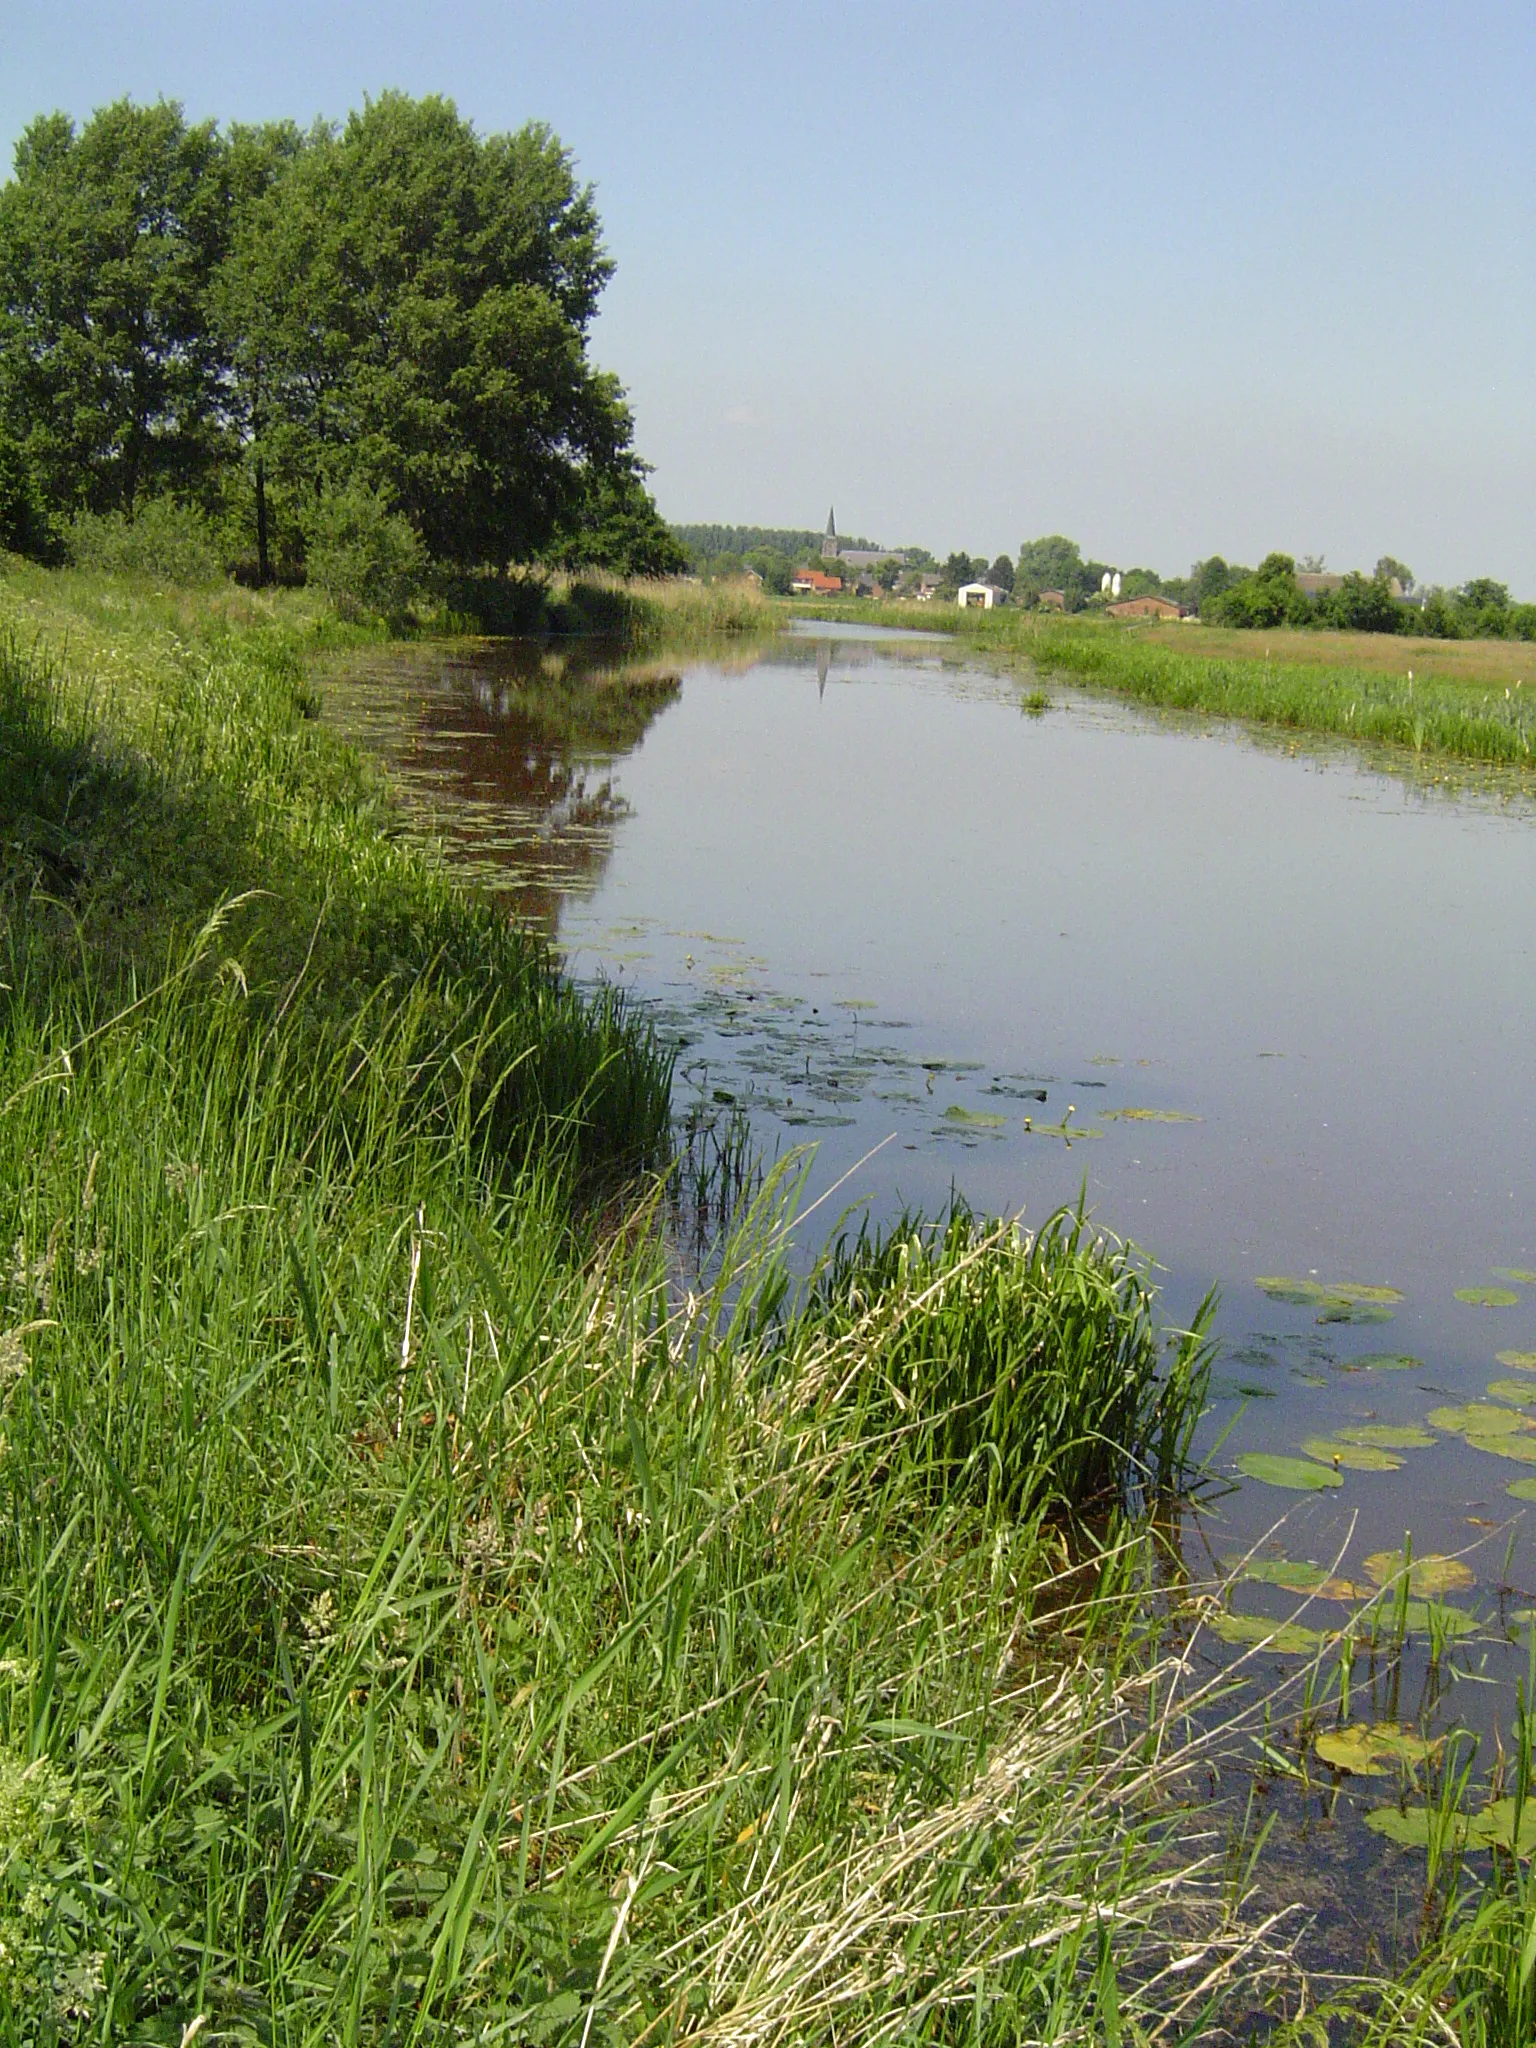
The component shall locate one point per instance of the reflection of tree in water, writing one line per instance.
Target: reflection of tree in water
(506, 752)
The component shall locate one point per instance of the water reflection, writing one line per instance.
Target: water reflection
(507, 752)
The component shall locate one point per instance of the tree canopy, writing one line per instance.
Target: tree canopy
(259, 318)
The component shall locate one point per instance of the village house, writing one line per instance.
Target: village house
(815, 583)
(1147, 607)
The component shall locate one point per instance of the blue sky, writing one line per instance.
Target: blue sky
(1173, 279)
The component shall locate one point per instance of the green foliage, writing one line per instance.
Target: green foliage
(25, 528)
(1271, 596)
(619, 529)
(1034, 1371)
(253, 318)
(1001, 572)
(175, 542)
(366, 558)
(109, 243)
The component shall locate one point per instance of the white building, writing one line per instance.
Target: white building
(982, 597)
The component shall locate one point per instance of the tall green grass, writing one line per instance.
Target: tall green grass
(423, 1618)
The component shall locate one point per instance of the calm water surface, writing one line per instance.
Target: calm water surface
(1269, 1010)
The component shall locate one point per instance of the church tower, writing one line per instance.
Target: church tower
(829, 539)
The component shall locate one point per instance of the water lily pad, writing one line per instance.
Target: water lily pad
(1152, 1116)
(1067, 1131)
(1494, 1827)
(1369, 1751)
(974, 1119)
(1431, 1573)
(1383, 1361)
(1289, 1638)
(1521, 1275)
(1522, 1489)
(1389, 1436)
(1286, 1572)
(1353, 1457)
(1479, 1418)
(1344, 1589)
(1522, 1361)
(1488, 1297)
(1520, 1392)
(1521, 1448)
(1280, 1287)
(1300, 1475)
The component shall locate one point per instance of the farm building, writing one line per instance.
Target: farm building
(983, 597)
(1147, 607)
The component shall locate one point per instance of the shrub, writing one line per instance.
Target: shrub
(162, 538)
(25, 528)
(366, 557)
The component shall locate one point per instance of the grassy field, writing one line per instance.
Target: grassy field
(421, 1616)
(1467, 700)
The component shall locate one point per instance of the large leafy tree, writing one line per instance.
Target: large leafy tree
(414, 304)
(109, 369)
(396, 312)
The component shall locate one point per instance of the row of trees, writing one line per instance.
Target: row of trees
(1383, 602)
(378, 329)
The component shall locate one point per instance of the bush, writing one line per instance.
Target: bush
(162, 538)
(25, 528)
(364, 556)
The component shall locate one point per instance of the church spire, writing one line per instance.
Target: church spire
(829, 539)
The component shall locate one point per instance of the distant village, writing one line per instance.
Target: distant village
(1052, 574)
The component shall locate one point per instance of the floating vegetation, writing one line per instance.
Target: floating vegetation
(1388, 1436)
(1488, 1297)
(1150, 1116)
(1287, 1573)
(1522, 1361)
(1521, 1275)
(1289, 1638)
(1066, 1130)
(974, 1119)
(1504, 1432)
(1336, 1301)
(1371, 1749)
(1477, 1418)
(1493, 1828)
(1353, 1457)
(1299, 1475)
(1431, 1573)
(1518, 1391)
(1522, 1489)
(1382, 1361)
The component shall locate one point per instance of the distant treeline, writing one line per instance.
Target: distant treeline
(366, 343)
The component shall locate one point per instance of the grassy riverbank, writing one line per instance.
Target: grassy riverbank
(418, 1621)
(1472, 701)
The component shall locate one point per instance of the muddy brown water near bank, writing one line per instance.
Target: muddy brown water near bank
(1269, 1012)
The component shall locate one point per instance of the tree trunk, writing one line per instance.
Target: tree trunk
(263, 566)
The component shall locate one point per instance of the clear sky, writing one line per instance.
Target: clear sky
(1202, 277)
